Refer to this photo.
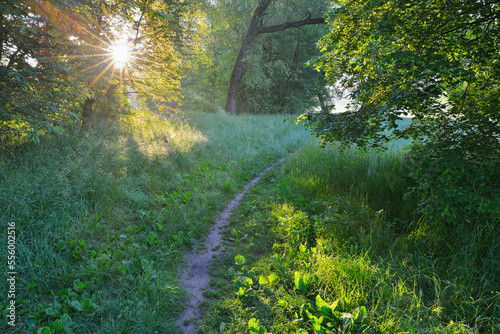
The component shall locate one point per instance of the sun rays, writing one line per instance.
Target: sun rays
(121, 54)
(108, 52)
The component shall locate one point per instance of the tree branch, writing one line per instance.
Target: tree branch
(139, 23)
(286, 25)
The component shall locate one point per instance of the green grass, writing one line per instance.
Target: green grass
(103, 214)
(326, 242)
(334, 224)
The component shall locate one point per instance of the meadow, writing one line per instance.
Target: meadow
(330, 244)
(103, 214)
(327, 242)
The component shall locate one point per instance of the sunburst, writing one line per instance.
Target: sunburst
(121, 54)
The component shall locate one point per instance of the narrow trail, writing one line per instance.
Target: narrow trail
(194, 271)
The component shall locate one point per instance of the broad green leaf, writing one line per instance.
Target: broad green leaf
(239, 260)
(263, 280)
(282, 303)
(76, 305)
(272, 278)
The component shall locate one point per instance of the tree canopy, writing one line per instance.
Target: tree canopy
(434, 61)
(437, 61)
(245, 47)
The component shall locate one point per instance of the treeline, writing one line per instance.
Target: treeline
(437, 63)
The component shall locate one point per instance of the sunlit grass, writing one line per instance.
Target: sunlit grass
(114, 206)
(339, 217)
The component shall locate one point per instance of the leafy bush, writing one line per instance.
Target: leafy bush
(458, 177)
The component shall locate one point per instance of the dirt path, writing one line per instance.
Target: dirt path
(194, 272)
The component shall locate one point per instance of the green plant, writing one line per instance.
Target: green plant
(253, 324)
(457, 184)
(58, 315)
(343, 261)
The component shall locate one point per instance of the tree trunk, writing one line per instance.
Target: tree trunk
(255, 28)
(239, 64)
(237, 74)
(87, 110)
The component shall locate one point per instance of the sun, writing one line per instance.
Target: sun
(120, 53)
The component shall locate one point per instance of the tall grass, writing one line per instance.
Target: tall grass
(331, 245)
(103, 214)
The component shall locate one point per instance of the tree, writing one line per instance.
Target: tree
(276, 80)
(438, 62)
(56, 57)
(33, 80)
(221, 25)
(256, 27)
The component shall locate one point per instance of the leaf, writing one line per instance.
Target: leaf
(323, 306)
(87, 304)
(316, 322)
(263, 280)
(253, 324)
(76, 305)
(239, 260)
(282, 303)
(66, 322)
(50, 311)
(81, 285)
(61, 293)
(361, 314)
(272, 278)
(297, 280)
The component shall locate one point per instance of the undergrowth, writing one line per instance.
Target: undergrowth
(329, 244)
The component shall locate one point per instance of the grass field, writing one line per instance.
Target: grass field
(325, 243)
(329, 244)
(102, 215)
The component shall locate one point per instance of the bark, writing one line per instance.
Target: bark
(254, 29)
(3, 36)
(87, 110)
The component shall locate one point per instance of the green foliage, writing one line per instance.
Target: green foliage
(222, 26)
(67, 303)
(276, 80)
(457, 180)
(438, 63)
(430, 60)
(323, 317)
(35, 81)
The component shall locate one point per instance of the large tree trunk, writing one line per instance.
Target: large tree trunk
(239, 64)
(237, 74)
(255, 28)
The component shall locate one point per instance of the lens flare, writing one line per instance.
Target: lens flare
(121, 55)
